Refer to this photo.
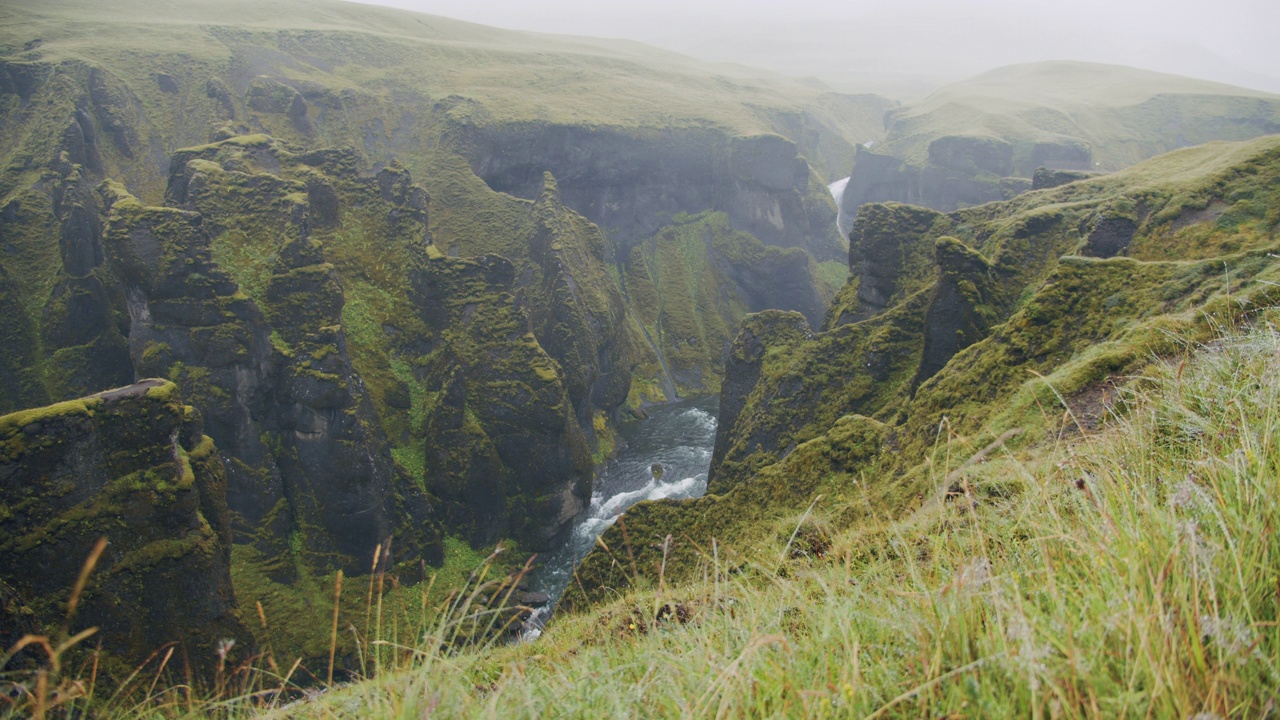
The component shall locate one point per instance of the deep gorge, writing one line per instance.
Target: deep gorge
(280, 299)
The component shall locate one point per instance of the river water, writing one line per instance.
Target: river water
(677, 435)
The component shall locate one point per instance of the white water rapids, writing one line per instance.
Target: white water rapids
(679, 436)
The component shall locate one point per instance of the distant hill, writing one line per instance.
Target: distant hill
(967, 143)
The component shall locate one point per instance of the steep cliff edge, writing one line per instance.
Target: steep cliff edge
(634, 183)
(131, 465)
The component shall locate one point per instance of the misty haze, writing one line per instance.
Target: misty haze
(906, 49)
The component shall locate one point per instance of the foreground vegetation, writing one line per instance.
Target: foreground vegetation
(1127, 572)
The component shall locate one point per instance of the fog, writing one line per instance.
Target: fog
(904, 49)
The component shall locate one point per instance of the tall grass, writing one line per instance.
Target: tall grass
(1134, 572)
(58, 675)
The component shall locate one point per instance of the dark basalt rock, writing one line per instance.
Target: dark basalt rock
(167, 83)
(972, 155)
(968, 178)
(962, 307)
(1110, 236)
(22, 78)
(504, 452)
(130, 465)
(114, 110)
(961, 171)
(759, 333)
(1063, 156)
(20, 384)
(314, 462)
(635, 183)
(218, 91)
(575, 309)
(1046, 178)
(270, 96)
(889, 256)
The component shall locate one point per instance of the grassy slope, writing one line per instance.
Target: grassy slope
(1100, 104)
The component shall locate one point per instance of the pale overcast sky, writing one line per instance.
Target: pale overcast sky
(911, 45)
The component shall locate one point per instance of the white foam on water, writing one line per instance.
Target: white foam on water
(706, 422)
(603, 515)
(653, 490)
(681, 444)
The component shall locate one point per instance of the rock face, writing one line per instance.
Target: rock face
(271, 371)
(887, 249)
(760, 333)
(1110, 236)
(690, 286)
(131, 465)
(635, 183)
(575, 309)
(504, 452)
(960, 172)
(964, 303)
(1044, 178)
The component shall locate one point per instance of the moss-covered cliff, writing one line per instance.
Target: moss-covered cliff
(133, 466)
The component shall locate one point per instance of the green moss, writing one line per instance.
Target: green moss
(13, 423)
(164, 392)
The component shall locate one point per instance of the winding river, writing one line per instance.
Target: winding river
(678, 436)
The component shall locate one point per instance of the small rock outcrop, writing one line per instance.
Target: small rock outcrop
(964, 304)
(1110, 236)
(891, 256)
(1045, 178)
(761, 332)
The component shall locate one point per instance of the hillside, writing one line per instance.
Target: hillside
(982, 139)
